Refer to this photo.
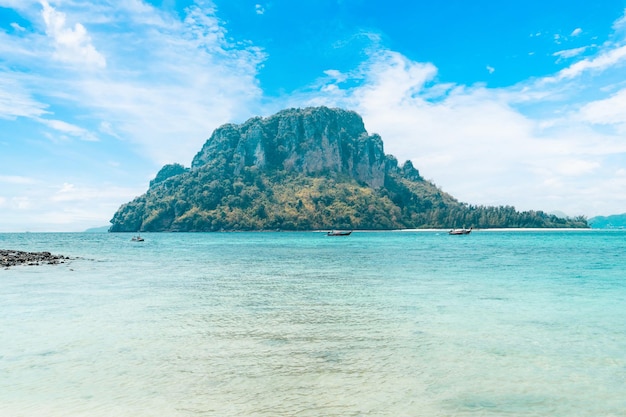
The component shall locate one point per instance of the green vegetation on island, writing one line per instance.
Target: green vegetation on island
(615, 221)
(305, 169)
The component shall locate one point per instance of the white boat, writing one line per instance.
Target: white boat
(339, 233)
(462, 231)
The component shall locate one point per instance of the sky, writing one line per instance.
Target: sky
(519, 103)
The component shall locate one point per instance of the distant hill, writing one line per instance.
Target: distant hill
(305, 169)
(101, 229)
(615, 221)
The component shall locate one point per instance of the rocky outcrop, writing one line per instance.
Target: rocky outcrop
(166, 172)
(309, 141)
(10, 258)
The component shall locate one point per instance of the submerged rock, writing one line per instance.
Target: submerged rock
(10, 258)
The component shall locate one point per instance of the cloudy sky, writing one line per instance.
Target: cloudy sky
(499, 103)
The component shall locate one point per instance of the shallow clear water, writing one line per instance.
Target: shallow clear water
(515, 323)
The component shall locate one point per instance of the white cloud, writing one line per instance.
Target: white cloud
(604, 60)
(336, 76)
(66, 188)
(21, 203)
(17, 27)
(69, 192)
(620, 24)
(16, 179)
(611, 110)
(15, 101)
(394, 79)
(73, 45)
(108, 129)
(490, 69)
(20, 5)
(576, 32)
(577, 167)
(259, 9)
(66, 207)
(570, 53)
(70, 129)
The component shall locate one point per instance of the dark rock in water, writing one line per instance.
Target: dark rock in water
(10, 258)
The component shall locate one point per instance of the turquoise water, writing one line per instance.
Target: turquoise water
(515, 323)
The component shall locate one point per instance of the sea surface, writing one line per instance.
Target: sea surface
(496, 323)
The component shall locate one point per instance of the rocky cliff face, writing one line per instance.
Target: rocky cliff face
(308, 141)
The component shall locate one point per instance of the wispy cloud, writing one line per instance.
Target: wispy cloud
(608, 111)
(64, 207)
(15, 101)
(570, 53)
(605, 60)
(70, 129)
(16, 179)
(17, 27)
(620, 24)
(71, 192)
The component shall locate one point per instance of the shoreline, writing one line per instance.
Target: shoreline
(9, 258)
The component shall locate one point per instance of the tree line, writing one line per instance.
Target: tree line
(206, 199)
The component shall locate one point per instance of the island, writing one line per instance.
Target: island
(315, 168)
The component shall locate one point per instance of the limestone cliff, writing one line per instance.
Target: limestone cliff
(308, 141)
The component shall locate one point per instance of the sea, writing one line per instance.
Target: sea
(270, 324)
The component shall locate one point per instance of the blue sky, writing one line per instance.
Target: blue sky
(498, 103)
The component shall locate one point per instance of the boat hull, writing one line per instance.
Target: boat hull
(338, 233)
(460, 231)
